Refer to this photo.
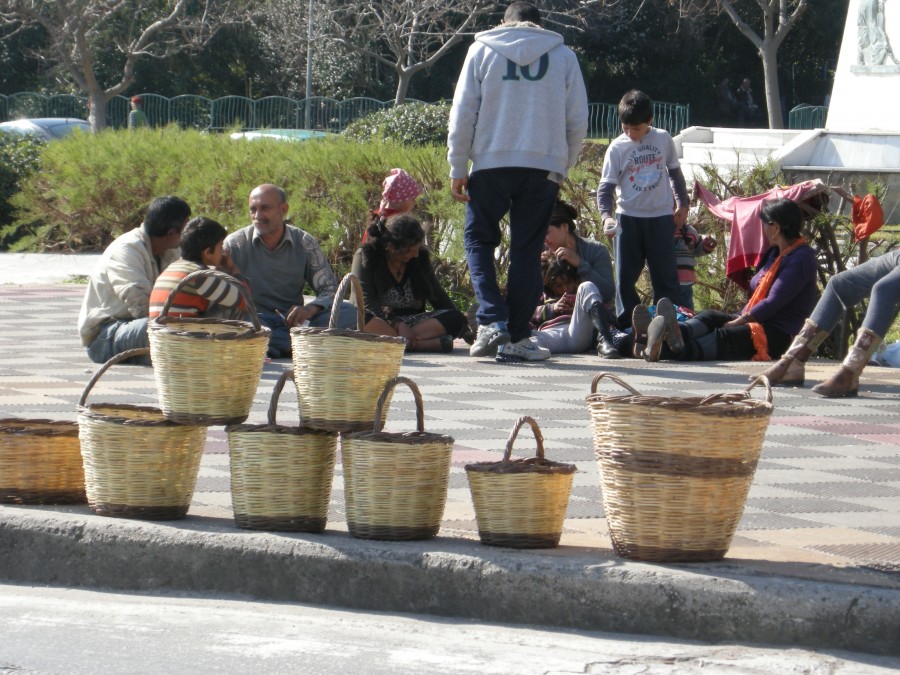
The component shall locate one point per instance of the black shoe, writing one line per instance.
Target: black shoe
(640, 322)
(605, 347)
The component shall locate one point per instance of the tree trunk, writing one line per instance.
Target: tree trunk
(404, 75)
(97, 110)
(769, 56)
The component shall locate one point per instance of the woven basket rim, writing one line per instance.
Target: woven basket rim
(729, 405)
(89, 411)
(407, 437)
(163, 326)
(349, 333)
(527, 465)
(21, 426)
(277, 429)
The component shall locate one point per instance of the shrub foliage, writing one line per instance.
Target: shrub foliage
(410, 124)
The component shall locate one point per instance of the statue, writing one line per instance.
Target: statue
(874, 47)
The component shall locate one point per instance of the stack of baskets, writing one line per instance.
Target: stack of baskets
(675, 472)
(395, 484)
(521, 503)
(40, 462)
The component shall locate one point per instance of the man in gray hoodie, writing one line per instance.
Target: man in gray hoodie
(519, 115)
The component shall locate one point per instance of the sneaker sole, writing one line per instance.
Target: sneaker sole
(673, 330)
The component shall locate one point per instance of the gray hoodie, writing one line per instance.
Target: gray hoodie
(520, 102)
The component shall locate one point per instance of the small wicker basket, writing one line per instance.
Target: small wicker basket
(395, 484)
(40, 462)
(137, 463)
(281, 476)
(675, 472)
(340, 373)
(521, 503)
(206, 369)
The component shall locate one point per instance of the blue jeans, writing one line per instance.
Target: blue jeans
(877, 279)
(116, 337)
(528, 195)
(280, 340)
(644, 240)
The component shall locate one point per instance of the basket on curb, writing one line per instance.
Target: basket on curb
(137, 463)
(206, 369)
(340, 373)
(40, 462)
(675, 472)
(395, 484)
(521, 503)
(281, 476)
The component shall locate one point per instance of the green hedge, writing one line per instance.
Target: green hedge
(19, 158)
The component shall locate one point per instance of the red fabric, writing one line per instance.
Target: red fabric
(867, 216)
(748, 242)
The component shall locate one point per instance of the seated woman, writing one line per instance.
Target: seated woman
(201, 248)
(879, 279)
(783, 294)
(572, 316)
(398, 281)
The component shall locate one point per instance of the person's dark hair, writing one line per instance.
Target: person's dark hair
(522, 11)
(401, 230)
(563, 212)
(635, 108)
(786, 213)
(164, 214)
(199, 235)
(556, 268)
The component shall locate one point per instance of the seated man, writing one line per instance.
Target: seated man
(280, 260)
(210, 296)
(113, 316)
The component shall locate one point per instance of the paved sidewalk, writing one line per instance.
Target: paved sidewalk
(823, 514)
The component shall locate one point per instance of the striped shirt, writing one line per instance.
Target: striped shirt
(206, 296)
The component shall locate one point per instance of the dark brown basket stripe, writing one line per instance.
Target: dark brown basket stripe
(511, 540)
(19, 496)
(280, 523)
(670, 464)
(198, 420)
(138, 512)
(390, 533)
(653, 554)
(345, 426)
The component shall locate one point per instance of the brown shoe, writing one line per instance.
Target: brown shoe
(640, 322)
(666, 309)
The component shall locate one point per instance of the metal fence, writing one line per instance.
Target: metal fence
(807, 117)
(275, 112)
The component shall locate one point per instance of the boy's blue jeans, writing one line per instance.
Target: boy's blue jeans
(644, 240)
(116, 337)
(528, 195)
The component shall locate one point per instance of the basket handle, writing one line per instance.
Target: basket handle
(741, 395)
(198, 274)
(276, 394)
(614, 378)
(388, 388)
(765, 381)
(349, 279)
(129, 354)
(538, 437)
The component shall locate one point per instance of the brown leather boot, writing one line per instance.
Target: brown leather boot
(790, 369)
(845, 382)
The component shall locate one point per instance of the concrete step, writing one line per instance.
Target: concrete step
(705, 153)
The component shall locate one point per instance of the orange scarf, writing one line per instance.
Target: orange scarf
(757, 332)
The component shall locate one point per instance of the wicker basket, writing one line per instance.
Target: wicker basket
(675, 472)
(40, 462)
(137, 463)
(395, 484)
(340, 373)
(207, 370)
(281, 476)
(521, 503)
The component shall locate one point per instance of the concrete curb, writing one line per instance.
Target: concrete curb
(448, 577)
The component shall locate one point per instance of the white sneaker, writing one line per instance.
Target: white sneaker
(526, 349)
(489, 338)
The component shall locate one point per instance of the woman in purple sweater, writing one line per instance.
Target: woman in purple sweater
(783, 293)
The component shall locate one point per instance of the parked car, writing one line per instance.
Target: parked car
(279, 134)
(45, 128)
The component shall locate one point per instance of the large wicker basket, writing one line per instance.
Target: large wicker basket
(206, 369)
(675, 472)
(137, 463)
(281, 476)
(395, 484)
(340, 373)
(40, 462)
(521, 503)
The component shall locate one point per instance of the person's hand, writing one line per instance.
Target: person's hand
(569, 255)
(459, 187)
(227, 265)
(565, 304)
(545, 255)
(298, 314)
(404, 331)
(681, 214)
(709, 244)
(611, 227)
(741, 320)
